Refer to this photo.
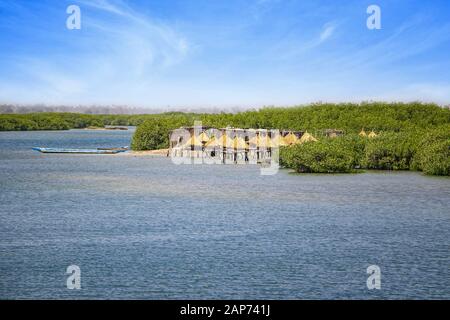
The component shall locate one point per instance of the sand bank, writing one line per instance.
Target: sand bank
(160, 152)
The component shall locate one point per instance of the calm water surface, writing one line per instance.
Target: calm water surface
(141, 227)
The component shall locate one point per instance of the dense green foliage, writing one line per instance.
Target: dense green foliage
(324, 156)
(424, 150)
(391, 150)
(154, 133)
(433, 152)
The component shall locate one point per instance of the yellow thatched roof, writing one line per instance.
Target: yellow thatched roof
(280, 142)
(203, 137)
(259, 141)
(213, 142)
(265, 142)
(254, 141)
(225, 141)
(228, 142)
(290, 138)
(193, 140)
(372, 134)
(306, 137)
(239, 143)
(363, 133)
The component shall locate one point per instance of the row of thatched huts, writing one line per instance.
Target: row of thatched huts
(236, 144)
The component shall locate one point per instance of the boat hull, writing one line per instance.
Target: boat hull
(77, 151)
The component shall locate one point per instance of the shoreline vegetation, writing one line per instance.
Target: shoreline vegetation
(410, 136)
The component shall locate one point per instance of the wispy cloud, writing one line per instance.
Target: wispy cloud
(327, 32)
(120, 8)
(407, 40)
(289, 49)
(144, 40)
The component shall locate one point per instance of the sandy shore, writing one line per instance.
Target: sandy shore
(160, 153)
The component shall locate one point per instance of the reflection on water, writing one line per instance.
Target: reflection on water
(142, 227)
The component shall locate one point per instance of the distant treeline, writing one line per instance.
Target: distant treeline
(349, 117)
(65, 121)
(104, 109)
(17, 108)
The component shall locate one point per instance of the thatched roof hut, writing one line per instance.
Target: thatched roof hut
(290, 138)
(213, 142)
(203, 137)
(193, 141)
(333, 133)
(307, 137)
(261, 141)
(280, 142)
(239, 143)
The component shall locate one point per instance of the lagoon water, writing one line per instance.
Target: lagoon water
(142, 227)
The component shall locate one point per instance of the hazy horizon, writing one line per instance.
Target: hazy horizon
(115, 109)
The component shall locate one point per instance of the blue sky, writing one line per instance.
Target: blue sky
(205, 53)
